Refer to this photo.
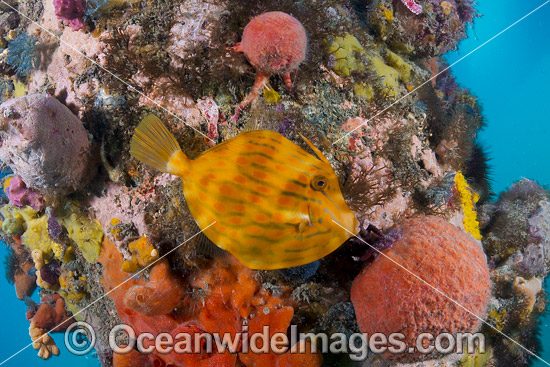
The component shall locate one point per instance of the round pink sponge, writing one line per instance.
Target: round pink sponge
(388, 299)
(274, 43)
(45, 144)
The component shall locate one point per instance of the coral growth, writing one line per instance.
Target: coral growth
(438, 254)
(81, 74)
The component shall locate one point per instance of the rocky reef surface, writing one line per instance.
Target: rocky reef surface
(107, 240)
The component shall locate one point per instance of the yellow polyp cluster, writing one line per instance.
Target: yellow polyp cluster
(34, 230)
(270, 95)
(15, 219)
(115, 230)
(497, 318)
(478, 359)
(72, 289)
(143, 254)
(387, 13)
(7, 183)
(86, 233)
(36, 237)
(468, 199)
(347, 51)
(351, 57)
(396, 62)
(388, 77)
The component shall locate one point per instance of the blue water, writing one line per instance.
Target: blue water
(510, 76)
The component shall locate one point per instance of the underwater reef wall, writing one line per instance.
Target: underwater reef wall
(361, 125)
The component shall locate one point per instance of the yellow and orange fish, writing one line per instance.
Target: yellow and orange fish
(273, 205)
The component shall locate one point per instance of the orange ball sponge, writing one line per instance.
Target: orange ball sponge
(388, 299)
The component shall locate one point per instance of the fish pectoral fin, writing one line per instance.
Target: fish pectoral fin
(303, 225)
(297, 221)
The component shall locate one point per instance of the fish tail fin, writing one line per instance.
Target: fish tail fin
(155, 146)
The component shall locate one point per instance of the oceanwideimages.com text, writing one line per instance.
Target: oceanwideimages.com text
(356, 345)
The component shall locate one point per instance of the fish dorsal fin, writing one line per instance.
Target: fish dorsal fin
(315, 150)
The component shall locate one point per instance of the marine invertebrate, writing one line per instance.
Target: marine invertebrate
(86, 233)
(143, 254)
(478, 172)
(530, 288)
(18, 264)
(274, 43)
(439, 254)
(539, 223)
(45, 144)
(507, 229)
(34, 232)
(51, 314)
(43, 342)
(20, 195)
(50, 272)
(73, 289)
(23, 54)
(39, 264)
(160, 295)
(54, 227)
(413, 6)
(348, 54)
(468, 200)
(258, 195)
(221, 297)
(387, 76)
(36, 238)
(71, 11)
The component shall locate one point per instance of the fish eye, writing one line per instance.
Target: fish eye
(319, 183)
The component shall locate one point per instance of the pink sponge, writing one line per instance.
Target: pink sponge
(45, 144)
(20, 195)
(71, 11)
(388, 299)
(274, 43)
